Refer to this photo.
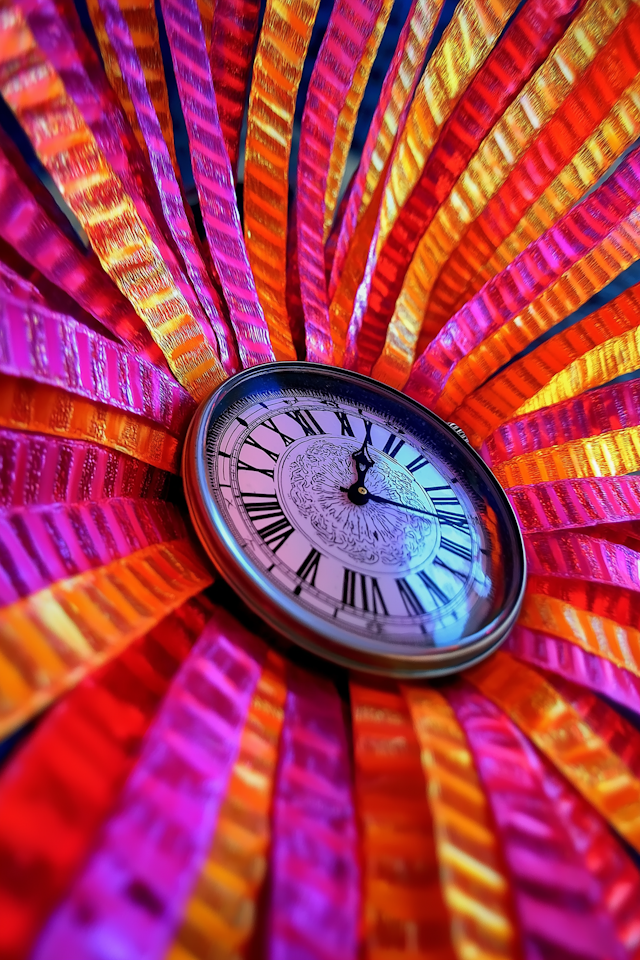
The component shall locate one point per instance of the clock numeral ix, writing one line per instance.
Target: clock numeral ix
(362, 593)
(265, 506)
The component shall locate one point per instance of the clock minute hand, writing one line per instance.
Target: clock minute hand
(402, 506)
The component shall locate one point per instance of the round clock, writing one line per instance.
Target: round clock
(353, 521)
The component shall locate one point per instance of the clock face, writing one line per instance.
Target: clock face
(353, 520)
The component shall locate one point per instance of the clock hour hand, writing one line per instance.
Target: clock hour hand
(358, 492)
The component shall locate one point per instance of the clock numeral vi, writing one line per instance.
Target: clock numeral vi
(362, 593)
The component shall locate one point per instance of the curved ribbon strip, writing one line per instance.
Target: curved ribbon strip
(39, 546)
(604, 82)
(518, 53)
(221, 912)
(348, 116)
(277, 71)
(397, 91)
(403, 911)
(46, 347)
(593, 633)
(214, 180)
(39, 471)
(341, 52)
(619, 735)
(233, 34)
(565, 739)
(614, 603)
(52, 639)
(540, 266)
(583, 558)
(28, 229)
(173, 203)
(613, 453)
(472, 872)
(586, 355)
(572, 662)
(69, 151)
(56, 792)
(612, 407)
(315, 886)
(410, 331)
(39, 408)
(133, 889)
(570, 504)
(558, 903)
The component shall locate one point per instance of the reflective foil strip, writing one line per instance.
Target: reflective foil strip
(582, 756)
(473, 875)
(277, 71)
(567, 504)
(611, 602)
(560, 903)
(107, 212)
(566, 659)
(399, 85)
(53, 638)
(233, 34)
(132, 891)
(342, 51)
(612, 407)
(522, 48)
(583, 557)
(315, 883)
(56, 792)
(403, 909)
(214, 180)
(175, 207)
(221, 911)
(531, 272)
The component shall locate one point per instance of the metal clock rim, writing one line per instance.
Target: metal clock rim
(286, 617)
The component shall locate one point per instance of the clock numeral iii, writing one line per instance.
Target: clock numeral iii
(362, 593)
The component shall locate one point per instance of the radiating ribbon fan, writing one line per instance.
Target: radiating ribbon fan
(192, 794)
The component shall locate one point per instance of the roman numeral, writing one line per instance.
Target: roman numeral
(265, 506)
(456, 520)
(307, 421)
(308, 570)
(248, 466)
(347, 429)
(457, 549)
(443, 499)
(389, 447)
(456, 573)
(270, 453)
(417, 464)
(437, 595)
(411, 603)
(270, 425)
(362, 593)
(367, 431)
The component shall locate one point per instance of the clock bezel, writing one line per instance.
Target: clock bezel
(284, 614)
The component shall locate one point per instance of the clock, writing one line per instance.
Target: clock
(355, 522)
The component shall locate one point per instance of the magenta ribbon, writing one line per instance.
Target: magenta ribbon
(315, 884)
(557, 899)
(583, 557)
(44, 346)
(41, 545)
(37, 471)
(351, 24)
(214, 180)
(567, 660)
(130, 896)
(615, 406)
(173, 202)
(524, 45)
(543, 262)
(576, 503)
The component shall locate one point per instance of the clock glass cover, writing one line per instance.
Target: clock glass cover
(354, 521)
